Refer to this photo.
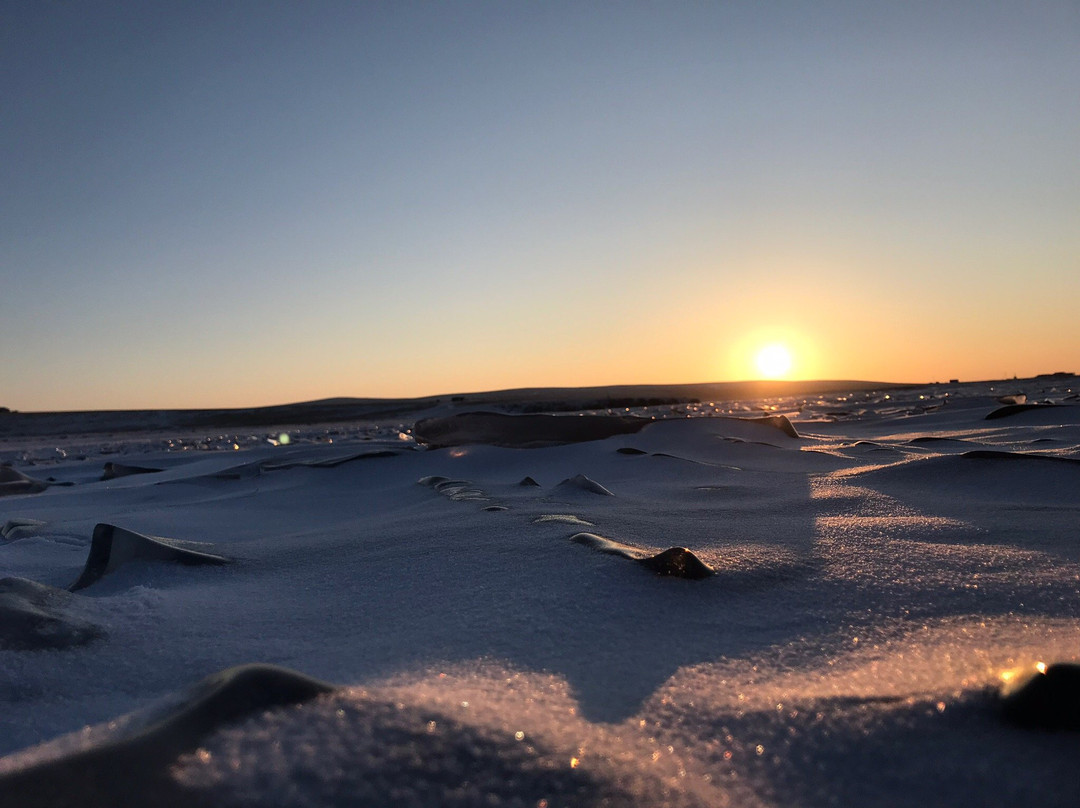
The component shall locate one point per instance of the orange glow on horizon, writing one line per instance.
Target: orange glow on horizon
(774, 351)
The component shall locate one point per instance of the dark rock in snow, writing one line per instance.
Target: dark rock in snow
(1047, 698)
(677, 562)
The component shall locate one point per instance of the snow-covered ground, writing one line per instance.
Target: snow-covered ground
(874, 583)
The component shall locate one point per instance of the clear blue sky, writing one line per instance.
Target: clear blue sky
(239, 203)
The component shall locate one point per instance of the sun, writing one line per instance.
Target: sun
(773, 361)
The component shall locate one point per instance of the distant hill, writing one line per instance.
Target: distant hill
(338, 410)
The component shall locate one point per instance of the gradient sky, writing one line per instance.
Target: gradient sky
(241, 203)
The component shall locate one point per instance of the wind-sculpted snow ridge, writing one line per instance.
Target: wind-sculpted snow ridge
(533, 431)
(128, 761)
(779, 422)
(13, 482)
(1023, 457)
(384, 745)
(326, 462)
(15, 529)
(979, 475)
(112, 546)
(1009, 410)
(579, 482)
(478, 734)
(454, 490)
(34, 616)
(564, 518)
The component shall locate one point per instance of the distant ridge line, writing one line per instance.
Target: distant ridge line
(339, 410)
(401, 410)
(753, 388)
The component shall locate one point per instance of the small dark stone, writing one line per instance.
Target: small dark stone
(679, 563)
(1047, 699)
(630, 450)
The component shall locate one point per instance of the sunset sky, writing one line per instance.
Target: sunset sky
(215, 204)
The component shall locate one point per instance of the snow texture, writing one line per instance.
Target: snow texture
(878, 573)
